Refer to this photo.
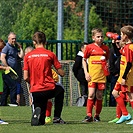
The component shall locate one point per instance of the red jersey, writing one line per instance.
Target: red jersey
(38, 63)
(127, 56)
(94, 53)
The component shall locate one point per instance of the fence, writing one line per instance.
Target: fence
(69, 48)
(69, 82)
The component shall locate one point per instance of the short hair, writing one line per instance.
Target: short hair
(28, 49)
(2, 42)
(83, 44)
(11, 33)
(128, 30)
(96, 30)
(39, 37)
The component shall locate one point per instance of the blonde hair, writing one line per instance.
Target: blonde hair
(28, 49)
(96, 30)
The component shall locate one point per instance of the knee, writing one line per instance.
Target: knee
(115, 93)
(99, 96)
(91, 96)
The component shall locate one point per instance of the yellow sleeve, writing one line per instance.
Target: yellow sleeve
(55, 76)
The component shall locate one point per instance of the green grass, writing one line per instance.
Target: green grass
(19, 122)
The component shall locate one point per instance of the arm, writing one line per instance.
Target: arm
(26, 76)
(87, 76)
(21, 53)
(61, 72)
(3, 59)
(4, 68)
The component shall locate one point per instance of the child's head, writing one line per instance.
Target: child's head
(83, 46)
(97, 36)
(28, 49)
(2, 44)
(126, 33)
(39, 38)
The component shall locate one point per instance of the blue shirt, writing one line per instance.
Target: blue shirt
(11, 55)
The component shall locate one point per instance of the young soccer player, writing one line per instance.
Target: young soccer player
(124, 82)
(37, 71)
(95, 75)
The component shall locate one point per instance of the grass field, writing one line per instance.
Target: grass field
(19, 122)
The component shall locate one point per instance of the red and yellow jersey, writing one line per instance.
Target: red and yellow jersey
(94, 53)
(127, 56)
(55, 76)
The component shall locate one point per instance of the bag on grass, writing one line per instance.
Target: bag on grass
(81, 101)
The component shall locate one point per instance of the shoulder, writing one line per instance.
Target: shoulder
(131, 47)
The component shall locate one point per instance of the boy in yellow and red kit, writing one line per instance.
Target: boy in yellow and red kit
(97, 54)
(124, 82)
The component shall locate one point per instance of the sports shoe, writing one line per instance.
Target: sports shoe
(48, 120)
(3, 122)
(114, 120)
(96, 119)
(35, 117)
(131, 122)
(124, 118)
(88, 119)
(58, 120)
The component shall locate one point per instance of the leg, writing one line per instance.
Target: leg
(84, 88)
(39, 105)
(90, 102)
(125, 115)
(48, 111)
(112, 101)
(98, 104)
(130, 95)
(6, 90)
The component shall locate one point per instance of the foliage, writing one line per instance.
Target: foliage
(35, 19)
(95, 21)
(8, 15)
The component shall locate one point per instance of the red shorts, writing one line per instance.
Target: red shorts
(123, 88)
(99, 86)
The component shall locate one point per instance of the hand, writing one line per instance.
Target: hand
(19, 45)
(123, 82)
(88, 77)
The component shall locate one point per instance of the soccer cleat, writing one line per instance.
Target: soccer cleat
(35, 117)
(114, 120)
(58, 120)
(88, 119)
(3, 122)
(131, 122)
(96, 119)
(48, 120)
(124, 118)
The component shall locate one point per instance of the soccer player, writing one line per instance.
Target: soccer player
(124, 82)
(95, 53)
(37, 71)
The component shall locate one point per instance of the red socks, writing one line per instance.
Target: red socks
(118, 111)
(98, 107)
(90, 103)
(122, 106)
(49, 108)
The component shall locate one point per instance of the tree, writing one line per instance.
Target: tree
(95, 21)
(33, 19)
(8, 15)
